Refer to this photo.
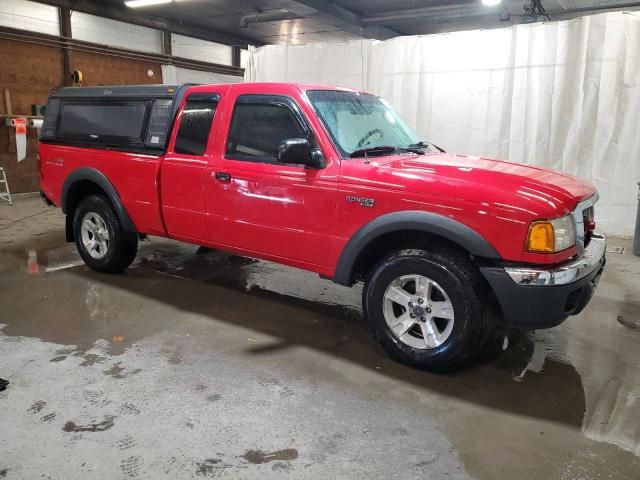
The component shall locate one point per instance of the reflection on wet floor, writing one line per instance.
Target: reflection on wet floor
(569, 397)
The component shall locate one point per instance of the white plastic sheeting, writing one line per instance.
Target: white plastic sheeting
(29, 16)
(203, 50)
(172, 75)
(564, 95)
(91, 28)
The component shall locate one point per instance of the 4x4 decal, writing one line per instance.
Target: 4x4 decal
(362, 201)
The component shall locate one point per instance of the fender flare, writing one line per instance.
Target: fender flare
(97, 177)
(427, 222)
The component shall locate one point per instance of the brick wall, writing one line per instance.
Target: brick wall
(108, 70)
(30, 72)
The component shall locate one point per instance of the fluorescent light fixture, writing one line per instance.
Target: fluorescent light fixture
(491, 3)
(145, 3)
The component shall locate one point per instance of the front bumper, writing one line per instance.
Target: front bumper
(532, 297)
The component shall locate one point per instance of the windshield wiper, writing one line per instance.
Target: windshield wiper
(379, 150)
(383, 149)
(411, 149)
(422, 144)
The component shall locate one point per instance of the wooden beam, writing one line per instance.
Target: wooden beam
(235, 56)
(9, 109)
(166, 43)
(97, 49)
(7, 101)
(64, 13)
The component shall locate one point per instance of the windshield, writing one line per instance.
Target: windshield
(359, 121)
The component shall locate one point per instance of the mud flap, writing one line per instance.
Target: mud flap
(68, 228)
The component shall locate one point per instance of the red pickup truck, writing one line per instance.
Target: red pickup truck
(449, 247)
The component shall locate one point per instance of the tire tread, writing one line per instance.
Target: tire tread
(461, 267)
(124, 245)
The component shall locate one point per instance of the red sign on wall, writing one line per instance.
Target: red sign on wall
(21, 137)
(20, 124)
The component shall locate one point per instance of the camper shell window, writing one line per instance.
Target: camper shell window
(137, 118)
(108, 123)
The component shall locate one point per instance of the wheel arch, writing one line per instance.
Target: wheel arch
(87, 181)
(403, 228)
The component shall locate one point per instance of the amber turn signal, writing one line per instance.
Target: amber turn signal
(541, 238)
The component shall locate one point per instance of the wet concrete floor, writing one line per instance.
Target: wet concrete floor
(198, 364)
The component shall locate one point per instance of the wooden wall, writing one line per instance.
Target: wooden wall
(31, 72)
(108, 70)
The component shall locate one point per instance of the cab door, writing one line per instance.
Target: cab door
(184, 168)
(280, 211)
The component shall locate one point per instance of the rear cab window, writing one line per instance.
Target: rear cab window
(195, 123)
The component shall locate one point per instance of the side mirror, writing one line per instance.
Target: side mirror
(298, 151)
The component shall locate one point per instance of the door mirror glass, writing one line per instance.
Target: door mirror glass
(298, 151)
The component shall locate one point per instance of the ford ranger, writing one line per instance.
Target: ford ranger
(330, 180)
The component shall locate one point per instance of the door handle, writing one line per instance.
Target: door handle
(222, 176)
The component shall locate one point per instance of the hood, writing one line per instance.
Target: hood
(542, 191)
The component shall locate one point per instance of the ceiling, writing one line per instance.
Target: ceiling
(309, 21)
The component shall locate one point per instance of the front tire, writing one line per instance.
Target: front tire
(101, 241)
(426, 309)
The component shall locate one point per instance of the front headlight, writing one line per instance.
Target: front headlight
(550, 236)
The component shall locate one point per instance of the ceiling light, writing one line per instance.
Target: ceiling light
(145, 3)
(491, 3)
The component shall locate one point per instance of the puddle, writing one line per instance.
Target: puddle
(551, 393)
(631, 323)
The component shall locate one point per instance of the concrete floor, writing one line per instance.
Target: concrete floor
(205, 365)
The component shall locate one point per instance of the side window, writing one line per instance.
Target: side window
(104, 123)
(257, 129)
(195, 126)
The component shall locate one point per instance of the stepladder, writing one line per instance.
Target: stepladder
(5, 193)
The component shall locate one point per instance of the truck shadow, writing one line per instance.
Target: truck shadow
(302, 310)
(295, 308)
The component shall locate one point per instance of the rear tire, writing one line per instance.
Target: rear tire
(426, 309)
(101, 241)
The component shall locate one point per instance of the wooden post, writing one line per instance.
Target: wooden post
(235, 56)
(9, 109)
(7, 101)
(166, 43)
(65, 32)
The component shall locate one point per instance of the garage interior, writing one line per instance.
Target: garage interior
(201, 364)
